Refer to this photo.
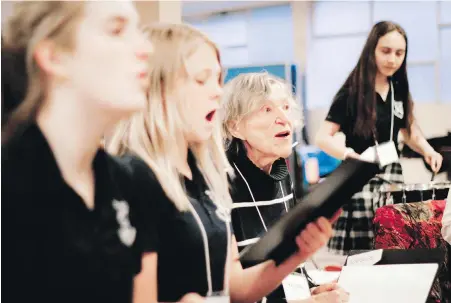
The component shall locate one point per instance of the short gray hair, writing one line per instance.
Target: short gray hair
(245, 93)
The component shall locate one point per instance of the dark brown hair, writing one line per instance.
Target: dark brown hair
(360, 84)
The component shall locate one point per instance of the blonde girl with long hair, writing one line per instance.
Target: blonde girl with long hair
(71, 230)
(179, 137)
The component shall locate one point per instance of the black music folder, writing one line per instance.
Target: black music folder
(278, 243)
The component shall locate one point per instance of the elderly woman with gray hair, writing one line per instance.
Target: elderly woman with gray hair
(259, 117)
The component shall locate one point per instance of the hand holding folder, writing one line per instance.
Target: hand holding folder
(314, 236)
(280, 242)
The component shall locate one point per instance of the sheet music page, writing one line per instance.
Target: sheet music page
(296, 287)
(369, 154)
(400, 283)
(322, 276)
(366, 258)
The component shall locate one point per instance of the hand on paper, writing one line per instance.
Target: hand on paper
(434, 159)
(314, 236)
(336, 295)
(192, 298)
(324, 288)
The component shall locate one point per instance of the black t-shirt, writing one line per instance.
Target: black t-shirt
(56, 249)
(180, 247)
(343, 112)
(273, 194)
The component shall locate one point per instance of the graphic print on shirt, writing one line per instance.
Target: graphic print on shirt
(126, 232)
(398, 109)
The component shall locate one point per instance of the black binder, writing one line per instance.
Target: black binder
(278, 243)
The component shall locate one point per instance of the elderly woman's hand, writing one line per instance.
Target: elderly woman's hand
(314, 236)
(337, 295)
(326, 293)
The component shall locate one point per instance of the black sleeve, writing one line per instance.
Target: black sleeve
(148, 200)
(338, 112)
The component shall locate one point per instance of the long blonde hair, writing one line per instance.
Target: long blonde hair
(31, 23)
(152, 134)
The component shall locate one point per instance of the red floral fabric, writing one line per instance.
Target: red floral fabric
(415, 225)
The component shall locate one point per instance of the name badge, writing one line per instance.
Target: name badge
(296, 287)
(387, 153)
(398, 109)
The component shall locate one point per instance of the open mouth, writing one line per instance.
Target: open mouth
(210, 115)
(283, 134)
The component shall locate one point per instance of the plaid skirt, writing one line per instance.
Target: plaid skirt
(354, 228)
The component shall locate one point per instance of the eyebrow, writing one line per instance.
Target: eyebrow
(397, 49)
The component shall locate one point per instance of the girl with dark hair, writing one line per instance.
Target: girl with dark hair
(372, 107)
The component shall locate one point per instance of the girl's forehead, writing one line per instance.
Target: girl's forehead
(393, 40)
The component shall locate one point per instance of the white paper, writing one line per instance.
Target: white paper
(369, 155)
(401, 283)
(322, 276)
(366, 258)
(296, 287)
(387, 153)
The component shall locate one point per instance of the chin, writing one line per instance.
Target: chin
(136, 103)
(124, 103)
(284, 153)
(199, 137)
(388, 73)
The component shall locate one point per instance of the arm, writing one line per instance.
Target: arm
(416, 140)
(337, 118)
(252, 284)
(145, 283)
(446, 220)
(419, 144)
(325, 140)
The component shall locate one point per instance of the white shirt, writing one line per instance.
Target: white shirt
(446, 220)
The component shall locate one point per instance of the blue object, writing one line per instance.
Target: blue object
(327, 164)
(286, 72)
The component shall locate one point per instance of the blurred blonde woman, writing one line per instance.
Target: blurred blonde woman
(71, 231)
(259, 117)
(179, 137)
